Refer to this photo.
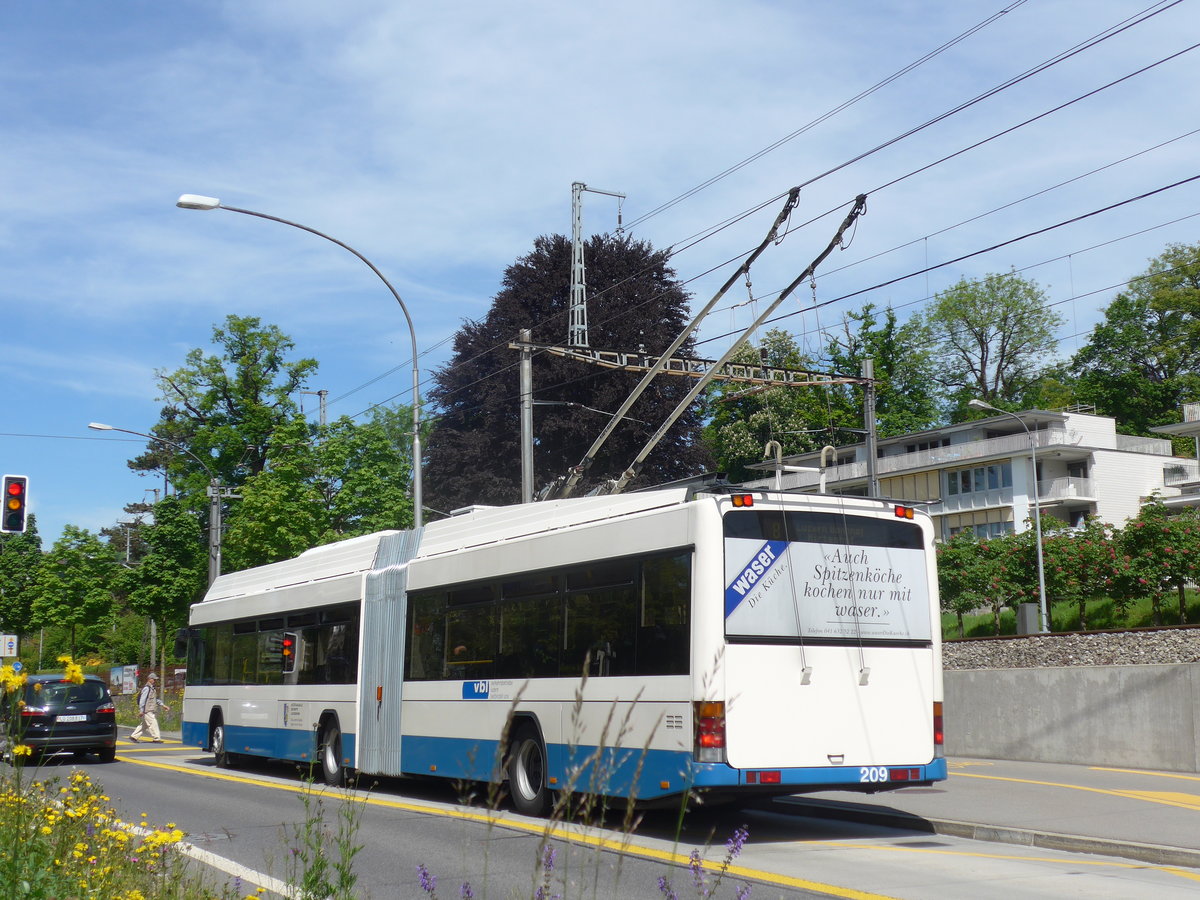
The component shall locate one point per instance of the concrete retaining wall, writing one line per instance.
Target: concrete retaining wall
(1145, 717)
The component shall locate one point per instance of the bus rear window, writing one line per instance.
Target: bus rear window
(793, 575)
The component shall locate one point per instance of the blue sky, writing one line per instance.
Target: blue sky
(441, 139)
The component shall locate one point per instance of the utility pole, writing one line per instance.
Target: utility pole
(578, 333)
(216, 494)
(321, 397)
(868, 373)
(526, 336)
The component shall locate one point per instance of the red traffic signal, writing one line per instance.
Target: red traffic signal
(14, 499)
(287, 650)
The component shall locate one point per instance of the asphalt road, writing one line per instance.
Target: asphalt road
(995, 829)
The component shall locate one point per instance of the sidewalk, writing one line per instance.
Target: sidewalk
(1147, 816)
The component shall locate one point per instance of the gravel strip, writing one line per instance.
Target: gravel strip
(1130, 648)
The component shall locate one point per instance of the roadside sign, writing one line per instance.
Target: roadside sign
(8, 645)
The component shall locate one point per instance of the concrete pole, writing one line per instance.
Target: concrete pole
(214, 531)
(526, 337)
(868, 372)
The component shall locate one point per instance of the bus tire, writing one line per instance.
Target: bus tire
(330, 753)
(218, 740)
(527, 773)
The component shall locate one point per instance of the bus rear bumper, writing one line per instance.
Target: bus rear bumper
(868, 779)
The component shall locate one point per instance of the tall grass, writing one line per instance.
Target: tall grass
(584, 801)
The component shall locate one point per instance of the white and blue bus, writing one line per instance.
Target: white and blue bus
(643, 645)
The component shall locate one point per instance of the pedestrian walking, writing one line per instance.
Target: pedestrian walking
(148, 703)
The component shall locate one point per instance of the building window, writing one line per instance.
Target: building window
(979, 478)
(926, 445)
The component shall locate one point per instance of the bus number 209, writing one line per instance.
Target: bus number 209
(872, 774)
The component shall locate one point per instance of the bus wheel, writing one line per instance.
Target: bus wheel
(332, 769)
(217, 741)
(527, 773)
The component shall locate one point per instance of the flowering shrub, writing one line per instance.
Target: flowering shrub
(63, 839)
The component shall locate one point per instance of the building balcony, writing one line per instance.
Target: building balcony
(1050, 491)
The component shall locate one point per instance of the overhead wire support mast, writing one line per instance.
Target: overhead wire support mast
(578, 327)
(860, 204)
(578, 471)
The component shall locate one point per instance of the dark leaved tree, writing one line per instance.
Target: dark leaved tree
(634, 302)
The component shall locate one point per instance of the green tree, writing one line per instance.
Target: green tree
(342, 481)
(963, 576)
(366, 472)
(742, 419)
(1081, 565)
(20, 560)
(1000, 575)
(1143, 361)
(224, 409)
(990, 339)
(172, 573)
(904, 399)
(634, 301)
(1160, 549)
(282, 510)
(75, 583)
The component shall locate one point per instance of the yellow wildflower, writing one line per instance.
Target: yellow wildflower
(22, 750)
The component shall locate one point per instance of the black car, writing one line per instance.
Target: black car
(60, 715)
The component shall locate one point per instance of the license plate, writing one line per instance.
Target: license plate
(72, 718)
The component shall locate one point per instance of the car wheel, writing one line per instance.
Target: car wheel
(527, 773)
(107, 754)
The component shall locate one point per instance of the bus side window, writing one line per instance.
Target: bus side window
(663, 636)
(426, 636)
(471, 638)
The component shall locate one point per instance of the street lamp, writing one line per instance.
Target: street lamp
(214, 493)
(196, 201)
(1037, 506)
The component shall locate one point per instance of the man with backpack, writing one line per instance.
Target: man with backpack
(148, 703)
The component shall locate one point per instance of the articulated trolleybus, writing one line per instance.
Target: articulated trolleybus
(646, 645)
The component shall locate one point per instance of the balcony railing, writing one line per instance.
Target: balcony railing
(1181, 473)
(1132, 443)
(1049, 491)
(1011, 445)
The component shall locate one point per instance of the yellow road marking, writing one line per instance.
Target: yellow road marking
(558, 831)
(1075, 861)
(1166, 798)
(575, 835)
(1177, 775)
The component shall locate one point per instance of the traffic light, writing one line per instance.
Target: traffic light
(15, 499)
(288, 650)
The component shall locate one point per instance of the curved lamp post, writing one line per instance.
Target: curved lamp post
(196, 201)
(1037, 507)
(214, 493)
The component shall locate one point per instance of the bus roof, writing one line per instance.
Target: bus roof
(488, 525)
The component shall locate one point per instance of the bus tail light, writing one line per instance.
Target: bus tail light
(740, 500)
(904, 512)
(710, 731)
(939, 731)
(773, 776)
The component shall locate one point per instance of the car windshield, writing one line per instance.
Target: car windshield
(56, 693)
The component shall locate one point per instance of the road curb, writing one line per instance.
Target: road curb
(1157, 854)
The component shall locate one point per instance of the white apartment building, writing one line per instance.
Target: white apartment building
(980, 474)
